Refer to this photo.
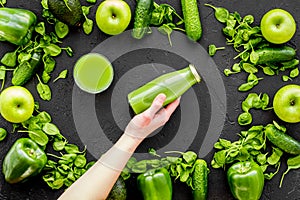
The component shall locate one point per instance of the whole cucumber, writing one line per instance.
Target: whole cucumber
(272, 55)
(142, 18)
(282, 140)
(200, 180)
(26, 70)
(191, 17)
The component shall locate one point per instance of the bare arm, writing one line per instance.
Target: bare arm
(97, 182)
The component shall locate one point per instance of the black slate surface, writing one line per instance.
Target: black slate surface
(60, 107)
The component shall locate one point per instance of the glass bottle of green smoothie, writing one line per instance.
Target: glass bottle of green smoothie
(172, 84)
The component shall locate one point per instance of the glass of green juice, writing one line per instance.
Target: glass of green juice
(93, 73)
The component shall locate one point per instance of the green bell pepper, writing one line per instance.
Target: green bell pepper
(155, 184)
(16, 25)
(24, 159)
(246, 180)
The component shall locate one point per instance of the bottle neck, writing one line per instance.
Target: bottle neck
(195, 73)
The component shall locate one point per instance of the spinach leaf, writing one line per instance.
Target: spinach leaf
(62, 75)
(43, 90)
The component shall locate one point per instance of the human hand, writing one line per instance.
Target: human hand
(151, 119)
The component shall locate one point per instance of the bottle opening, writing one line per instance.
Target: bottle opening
(195, 73)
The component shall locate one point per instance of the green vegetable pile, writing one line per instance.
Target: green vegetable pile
(253, 50)
(252, 146)
(70, 163)
(188, 169)
(148, 13)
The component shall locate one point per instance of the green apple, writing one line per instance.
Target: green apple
(16, 104)
(278, 26)
(286, 103)
(113, 16)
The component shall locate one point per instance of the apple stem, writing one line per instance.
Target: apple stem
(292, 102)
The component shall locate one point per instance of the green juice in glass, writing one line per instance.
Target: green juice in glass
(173, 85)
(93, 73)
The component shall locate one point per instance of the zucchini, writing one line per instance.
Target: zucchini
(191, 17)
(23, 73)
(142, 18)
(200, 180)
(282, 140)
(272, 55)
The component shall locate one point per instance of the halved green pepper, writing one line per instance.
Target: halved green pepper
(155, 184)
(24, 159)
(246, 180)
(16, 25)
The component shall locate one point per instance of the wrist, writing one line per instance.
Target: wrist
(128, 143)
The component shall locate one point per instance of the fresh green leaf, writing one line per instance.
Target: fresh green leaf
(43, 90)
(45, 77)
(62, 75)
(245, 119)
(61, 29)
(221, 14)
(52, 50)
(275, 156)
(152, 152)
(40, 28)
(44, 117)
(3, 134)
(294, 73)
(80, 161)
(189, 157)
(51, 129)
(23, 57)
(49, 63)
(72, 149)
(249, 68)
(2, 76)
(38, 136)
(10, 59)
(286, 78)
(58, 145)
(292, 163)
(88, 26)
(212, 49)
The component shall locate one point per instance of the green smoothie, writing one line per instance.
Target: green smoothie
(172, 84)
(93, 73)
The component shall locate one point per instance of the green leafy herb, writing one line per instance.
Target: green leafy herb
(52, 50)
(88, 23)
(3, 134)
(38, 136)
(43, 90)
(40, 28)
(286, 78)
(292, 163)
(221, 14)
(212, 49)
(61, 29)
(294, 73)
(2, 2)
(62, 75)
(2, 76)
(10, 58)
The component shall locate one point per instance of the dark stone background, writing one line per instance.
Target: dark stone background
(60, 107)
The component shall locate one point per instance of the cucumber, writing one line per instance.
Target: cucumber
(282, 140)
(191, 17)
(26, 70)
(272, 55)
(67, 11)
(200, 180)
(142, 18)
